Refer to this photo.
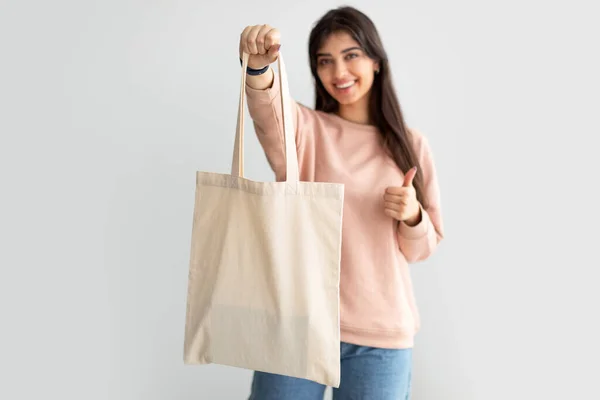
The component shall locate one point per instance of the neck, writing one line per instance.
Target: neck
(356, 112)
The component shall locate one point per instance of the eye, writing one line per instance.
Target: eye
(324, 61)
(350, 56)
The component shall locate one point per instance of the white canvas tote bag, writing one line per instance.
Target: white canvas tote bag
(263, 291)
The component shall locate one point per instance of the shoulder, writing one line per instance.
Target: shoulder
(416, 135)
(422, 149)
(419, 141)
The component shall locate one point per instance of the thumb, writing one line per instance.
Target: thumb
(408, 178)
(273, 52)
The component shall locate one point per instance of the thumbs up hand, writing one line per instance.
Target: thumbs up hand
(401, 202)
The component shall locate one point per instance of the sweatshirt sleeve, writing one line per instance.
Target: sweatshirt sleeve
(418, 242)
(264, 107)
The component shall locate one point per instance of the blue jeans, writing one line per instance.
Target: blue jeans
(367, 373)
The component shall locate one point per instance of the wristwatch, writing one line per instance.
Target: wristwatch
(255, 72)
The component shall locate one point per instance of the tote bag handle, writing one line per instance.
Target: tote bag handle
(291, 157)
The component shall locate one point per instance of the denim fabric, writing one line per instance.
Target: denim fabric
(367, 373)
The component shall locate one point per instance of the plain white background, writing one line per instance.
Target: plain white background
(109, 107)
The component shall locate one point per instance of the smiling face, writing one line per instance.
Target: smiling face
(345, 70)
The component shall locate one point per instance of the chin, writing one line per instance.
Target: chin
(346, 99)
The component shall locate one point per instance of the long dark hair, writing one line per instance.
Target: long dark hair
(384, 107)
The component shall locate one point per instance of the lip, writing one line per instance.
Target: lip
(341, 83)
(346, 90)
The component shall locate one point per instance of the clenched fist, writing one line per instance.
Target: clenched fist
(401, 202)
(262, 43)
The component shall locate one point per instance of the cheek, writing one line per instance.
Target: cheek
(365, 73)
(326, 77)
(368, 71)
(366, 80)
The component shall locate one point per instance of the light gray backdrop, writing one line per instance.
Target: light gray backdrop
(109, 107)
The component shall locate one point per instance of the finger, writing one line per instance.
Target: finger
(410, 175)
(390, 198)
(272, 38)
(244, 40)
(393, 206)
(261, 38)
(400, 200)
(396, 190)
(392, 213)
(274, 52)
(251, 40)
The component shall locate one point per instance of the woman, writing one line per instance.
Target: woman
(356, 135)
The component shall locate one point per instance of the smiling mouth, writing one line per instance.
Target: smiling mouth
(345, 85)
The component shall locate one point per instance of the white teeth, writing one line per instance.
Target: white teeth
(344, 86)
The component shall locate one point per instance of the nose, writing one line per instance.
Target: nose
(340, 70)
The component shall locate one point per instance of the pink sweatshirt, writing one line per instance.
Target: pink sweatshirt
(377, 305)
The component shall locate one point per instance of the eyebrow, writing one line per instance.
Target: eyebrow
(343, 51)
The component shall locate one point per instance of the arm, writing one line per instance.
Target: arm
(419, 241)
(264, 105)
(262, 43)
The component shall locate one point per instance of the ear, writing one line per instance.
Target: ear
(376, 67)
